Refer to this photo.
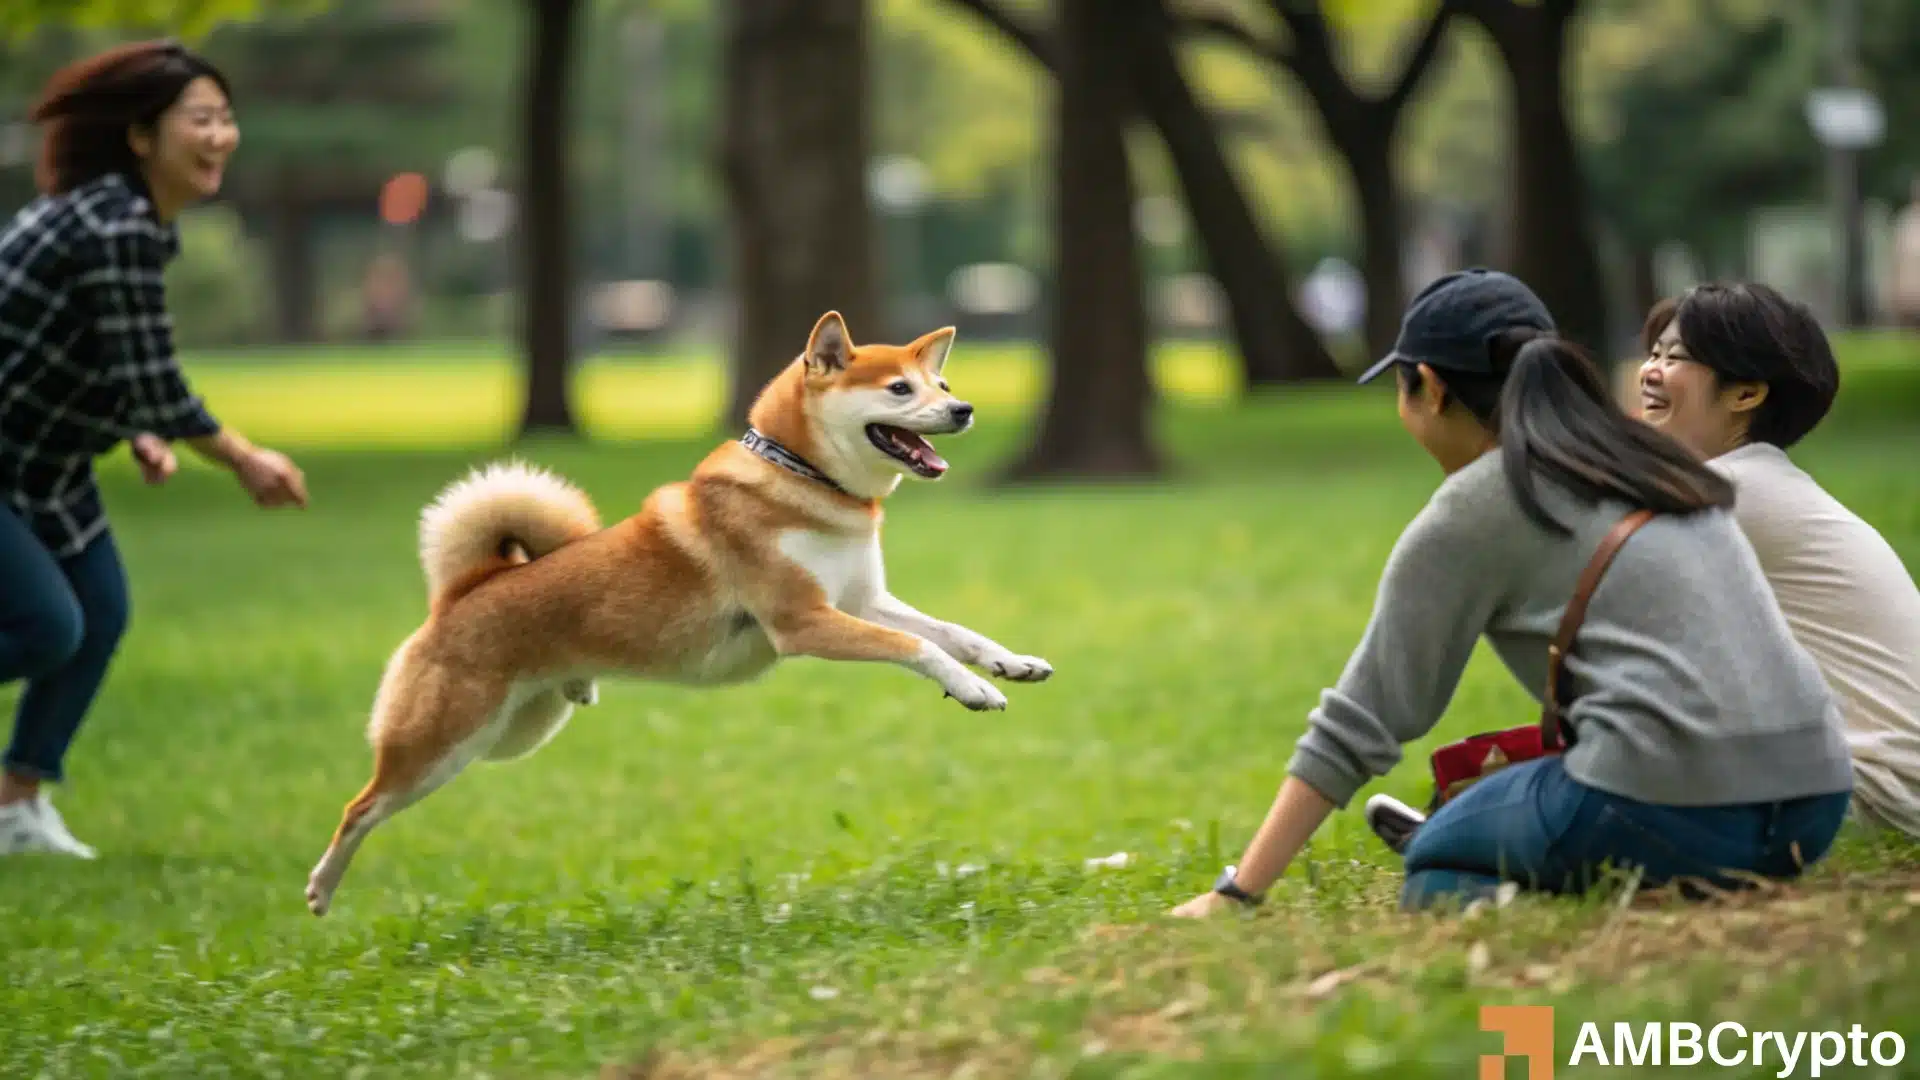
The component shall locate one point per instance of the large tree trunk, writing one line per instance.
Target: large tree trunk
(296, 287)
(793, 157)
(1367, 149)
(1276, 343)
(1552, 242)
(547, 268)
(1096, 419)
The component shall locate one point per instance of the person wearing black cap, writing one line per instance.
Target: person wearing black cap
(1703, 741)
(1740, 374)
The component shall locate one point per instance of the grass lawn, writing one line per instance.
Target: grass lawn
(834, 871)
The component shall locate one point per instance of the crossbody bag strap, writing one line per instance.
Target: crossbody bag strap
(1552, 726)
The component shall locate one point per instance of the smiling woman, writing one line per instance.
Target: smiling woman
(1740, 374)
(132, 137)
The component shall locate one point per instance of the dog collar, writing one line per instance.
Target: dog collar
(787, 459)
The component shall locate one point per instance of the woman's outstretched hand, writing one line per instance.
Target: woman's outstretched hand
(271, 478)
(154, 457)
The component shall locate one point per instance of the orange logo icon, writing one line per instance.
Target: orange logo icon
(1526, 1032)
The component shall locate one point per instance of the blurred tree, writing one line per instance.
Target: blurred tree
(1551, 238)
(1275, 343)
(547, 265)
(1711, 127)
(332, 105)
(187, 19)
(1096, 419)
(1361, 125)
(793, 155)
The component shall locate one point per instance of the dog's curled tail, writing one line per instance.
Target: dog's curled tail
(498, 516)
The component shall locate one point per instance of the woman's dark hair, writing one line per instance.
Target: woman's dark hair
(1750, 332)
(1555, 417)
(89, 105)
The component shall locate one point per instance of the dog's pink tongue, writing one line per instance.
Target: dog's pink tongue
(925, 456)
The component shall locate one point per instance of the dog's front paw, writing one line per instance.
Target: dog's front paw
(977, 694)
(581, 691)
(1019, 668)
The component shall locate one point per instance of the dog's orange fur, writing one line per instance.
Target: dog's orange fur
(530, 599)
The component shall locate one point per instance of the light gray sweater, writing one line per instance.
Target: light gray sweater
(1684, 685)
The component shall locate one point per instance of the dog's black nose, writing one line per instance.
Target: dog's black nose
(961, 411)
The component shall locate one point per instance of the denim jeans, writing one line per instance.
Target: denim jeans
(1534, 825)
(60, 623)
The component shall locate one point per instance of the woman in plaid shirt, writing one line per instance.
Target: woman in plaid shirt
(132, 137)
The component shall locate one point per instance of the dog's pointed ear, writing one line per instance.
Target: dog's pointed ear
(932, 348)
(829, 347)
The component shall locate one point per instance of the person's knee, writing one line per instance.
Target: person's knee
(47, 636)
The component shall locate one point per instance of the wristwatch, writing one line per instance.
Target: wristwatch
(1226, 887)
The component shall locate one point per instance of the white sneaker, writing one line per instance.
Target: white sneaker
(1393, 821)
(56, 826)
(34, 826)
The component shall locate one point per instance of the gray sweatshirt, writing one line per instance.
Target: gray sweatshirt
(1684, 685)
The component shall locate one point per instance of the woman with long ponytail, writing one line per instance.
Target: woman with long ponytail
(1701, 740)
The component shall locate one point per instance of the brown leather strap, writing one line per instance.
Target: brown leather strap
(1552, 728)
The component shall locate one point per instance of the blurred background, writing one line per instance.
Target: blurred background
(1134, 197)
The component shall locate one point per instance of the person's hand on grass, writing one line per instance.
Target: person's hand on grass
(271, 478)
(154, 457)
(1203, 906)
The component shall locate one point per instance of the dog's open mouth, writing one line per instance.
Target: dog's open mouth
(907, 448)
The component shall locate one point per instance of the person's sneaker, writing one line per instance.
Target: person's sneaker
(34, 826)
(56, 827)
(1393, 821)
(20, 829)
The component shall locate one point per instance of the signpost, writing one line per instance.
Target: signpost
(1847, 120)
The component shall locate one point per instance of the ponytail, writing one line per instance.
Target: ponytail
(1556, 418)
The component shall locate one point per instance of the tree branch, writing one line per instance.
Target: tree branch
(1314, 61)
(1228, 29)
(1420, 58)
(1494, 15)
(1033, 42)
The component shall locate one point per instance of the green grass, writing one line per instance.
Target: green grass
(834, 871)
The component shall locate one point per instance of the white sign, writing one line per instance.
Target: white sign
(1846, 118)
(486, 215)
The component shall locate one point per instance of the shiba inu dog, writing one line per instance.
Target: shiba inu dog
(770, 549)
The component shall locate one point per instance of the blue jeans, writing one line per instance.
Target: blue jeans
(1534, 825)
(60, 622)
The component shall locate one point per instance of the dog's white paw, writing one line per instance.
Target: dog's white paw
(1019, 668)
(581, 691)
(977, 694)
(319, 892)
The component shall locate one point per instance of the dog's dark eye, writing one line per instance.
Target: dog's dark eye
(943, 386)
(900, 388)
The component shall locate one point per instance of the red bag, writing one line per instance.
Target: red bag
(1458, 765)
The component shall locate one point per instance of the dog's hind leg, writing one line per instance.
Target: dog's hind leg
(534, 724)
(429, 723)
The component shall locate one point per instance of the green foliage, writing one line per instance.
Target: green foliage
(185, 19)
(352, 94)
(1712, 126)
(217, 288)
(833, 867)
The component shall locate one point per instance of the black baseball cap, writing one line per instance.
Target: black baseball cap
(1450, 322)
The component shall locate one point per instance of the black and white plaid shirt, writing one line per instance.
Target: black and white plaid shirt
(86, 352)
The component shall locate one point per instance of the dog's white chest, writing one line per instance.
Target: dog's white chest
(845, 567)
